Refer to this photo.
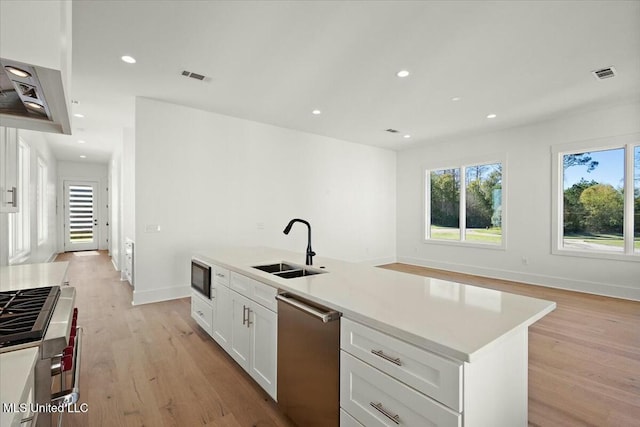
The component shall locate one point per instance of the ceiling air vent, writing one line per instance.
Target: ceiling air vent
(392, 130)
(604, 73)
(193, 75)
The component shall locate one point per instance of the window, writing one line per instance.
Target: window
(19, 222)
(598, 200)
(636, 199)
(464, 204)
(42, 202)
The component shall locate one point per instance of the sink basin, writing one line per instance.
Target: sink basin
(276, 268)
(297, 273)
(287, 271)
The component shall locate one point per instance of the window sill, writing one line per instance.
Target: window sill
(465, 244)
(614, 256)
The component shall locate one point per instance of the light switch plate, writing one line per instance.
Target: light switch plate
(152, 228)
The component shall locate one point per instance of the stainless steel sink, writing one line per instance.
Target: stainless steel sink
(297, 273)
(288, 271)
(276, 268)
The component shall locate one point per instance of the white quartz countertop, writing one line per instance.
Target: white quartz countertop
(25, 276)
(455, 320)
(15, 370)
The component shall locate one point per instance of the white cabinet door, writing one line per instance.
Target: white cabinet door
(264, 341)
(9, 170)
(240, 344)
(201, 311)
(222, 315)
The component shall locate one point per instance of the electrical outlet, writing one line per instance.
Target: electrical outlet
(525, 260)
(260, 225)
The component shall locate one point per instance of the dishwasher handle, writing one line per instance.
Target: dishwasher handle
(324, 316)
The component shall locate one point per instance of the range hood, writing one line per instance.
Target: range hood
(35, 68)
(32, 97)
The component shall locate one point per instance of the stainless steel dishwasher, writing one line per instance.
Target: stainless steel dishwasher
(308, 362)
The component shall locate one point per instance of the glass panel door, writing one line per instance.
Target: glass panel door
(81, 220)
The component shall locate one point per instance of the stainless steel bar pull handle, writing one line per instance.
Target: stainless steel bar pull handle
(14, 197)
(393, 417)
(244, 318)
(323, 316)
(394, 360)
(249, 322)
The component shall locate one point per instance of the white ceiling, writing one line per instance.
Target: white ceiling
(276, 61)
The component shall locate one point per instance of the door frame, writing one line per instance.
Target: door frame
(96, 212)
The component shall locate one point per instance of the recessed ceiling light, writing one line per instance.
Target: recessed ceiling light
(78, 115)
(455, 98)
(491, 116)
(128, 59)
(402, 73)
(82, 156)
(81, 141)
(33, 105)
(17, 71)
(316, 112)
(407, 136)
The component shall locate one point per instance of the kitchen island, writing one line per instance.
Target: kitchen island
(25, 276)
(466, 347)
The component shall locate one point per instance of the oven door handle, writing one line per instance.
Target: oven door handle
(70, 396)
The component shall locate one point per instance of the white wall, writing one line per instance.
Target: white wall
(528, 152)
(84, 171)
(209, 180)
(47, 249)
(128, 186)
(128, 193)
(115, 206)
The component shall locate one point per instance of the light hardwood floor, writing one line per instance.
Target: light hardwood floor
(151, 365)
(584, 357)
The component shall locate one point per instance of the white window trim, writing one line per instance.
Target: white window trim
(426, 201)
(622, 141)
(24, 208)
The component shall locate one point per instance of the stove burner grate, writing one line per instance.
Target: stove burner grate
(25, 314)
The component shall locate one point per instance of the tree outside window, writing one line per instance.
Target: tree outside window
(593, 203)
(468, 209)
(636, 198)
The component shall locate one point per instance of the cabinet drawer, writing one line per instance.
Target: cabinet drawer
(220, 275)
(241, 284)
(264, 295)
(347, 420)
(433, 375)
(202, 312)
(375, 399)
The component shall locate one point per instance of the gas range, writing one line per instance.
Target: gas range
(44, 318)
(25, 315)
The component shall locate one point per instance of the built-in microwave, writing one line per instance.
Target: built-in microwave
(201, 277)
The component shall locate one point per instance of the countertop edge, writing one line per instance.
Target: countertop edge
(418, 341)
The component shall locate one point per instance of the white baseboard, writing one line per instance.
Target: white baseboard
(115, 264)
(52, 257)
(589, 287)
(158, 295)
(379, 261)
